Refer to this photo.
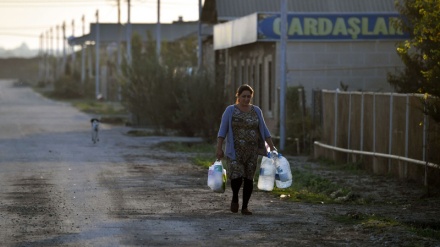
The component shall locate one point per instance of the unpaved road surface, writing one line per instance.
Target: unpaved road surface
(57, 188)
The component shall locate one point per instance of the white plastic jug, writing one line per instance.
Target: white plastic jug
(217, 177)
(266, 179)
(283, 175)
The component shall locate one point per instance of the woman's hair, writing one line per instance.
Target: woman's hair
(244, 87)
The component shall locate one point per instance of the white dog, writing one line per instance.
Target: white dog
(95, 129)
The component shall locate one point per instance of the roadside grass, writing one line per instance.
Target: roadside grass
(98, 107)
(366, 220)
(188, 147)
(109, 112)
(352, 168)
(143, 132)
(306, 186)
(205, 152)
(310, 188)
(377, 222)
(425, 231)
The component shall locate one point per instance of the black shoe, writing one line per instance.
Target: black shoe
(234, 207)
(246, 212)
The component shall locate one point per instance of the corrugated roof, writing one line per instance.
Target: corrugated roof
(231, 9)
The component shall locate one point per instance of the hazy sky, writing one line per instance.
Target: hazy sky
(23, 21)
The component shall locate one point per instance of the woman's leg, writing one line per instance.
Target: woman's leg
(235, 186)
(248, 187)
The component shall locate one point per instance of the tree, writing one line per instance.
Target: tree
(420, 53)
(167, 94)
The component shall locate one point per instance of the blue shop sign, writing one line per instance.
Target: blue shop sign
(301, 26)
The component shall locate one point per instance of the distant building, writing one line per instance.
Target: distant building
(110, 33)
(113, 39)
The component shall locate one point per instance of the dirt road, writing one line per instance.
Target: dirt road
(57, 188)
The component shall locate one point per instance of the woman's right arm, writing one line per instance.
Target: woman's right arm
(220, 154)
(222, 132)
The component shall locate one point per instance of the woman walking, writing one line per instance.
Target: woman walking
(245, 131)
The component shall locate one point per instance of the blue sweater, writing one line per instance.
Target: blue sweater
(225, 130)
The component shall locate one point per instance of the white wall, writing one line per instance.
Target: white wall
(362, 65)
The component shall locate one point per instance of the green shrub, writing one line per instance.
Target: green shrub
(298, 121)
(66, 87)
(165, 96)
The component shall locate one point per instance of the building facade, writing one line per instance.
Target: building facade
(329, 46)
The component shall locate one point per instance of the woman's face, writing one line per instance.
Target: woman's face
(245, 98)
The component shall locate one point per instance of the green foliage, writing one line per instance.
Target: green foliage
(140, 133)
(203, 161)
(188, 147)
(205, 151)
(165, 96)
(200, 106)
(66, 87)
(378, 222)
(97, 107)
(426, 231)
(298, 121)
(421, 52)
(366, 220)
(308, 187)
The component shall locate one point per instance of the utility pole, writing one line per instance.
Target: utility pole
(283, 45)
(97, 58)
(47, 57)
(51, 42)
(83, 54)
(73, 48)
(128, 35)
(199, 38)
(41, 54)
(64, 49)
(57, 56)
(118, 68)
(51, 55)
(119, 37)
(158, 35)
(58, 41)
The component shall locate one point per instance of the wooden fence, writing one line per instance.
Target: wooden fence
(385, 131)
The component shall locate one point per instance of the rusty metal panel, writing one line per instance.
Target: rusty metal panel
(232, 9)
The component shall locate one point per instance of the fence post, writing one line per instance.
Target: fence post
(362, 123)
(425, 147)
(375, 159)
(405, 165)
(336, 120)
(335, 133)
(390, 141)
(349, 126)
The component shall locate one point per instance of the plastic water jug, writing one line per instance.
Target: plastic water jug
(217, 177)
(266, 179)
(283, 174)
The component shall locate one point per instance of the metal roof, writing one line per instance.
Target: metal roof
(215, 11)
(113, 32)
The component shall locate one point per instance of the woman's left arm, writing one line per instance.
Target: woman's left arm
(265, 131)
